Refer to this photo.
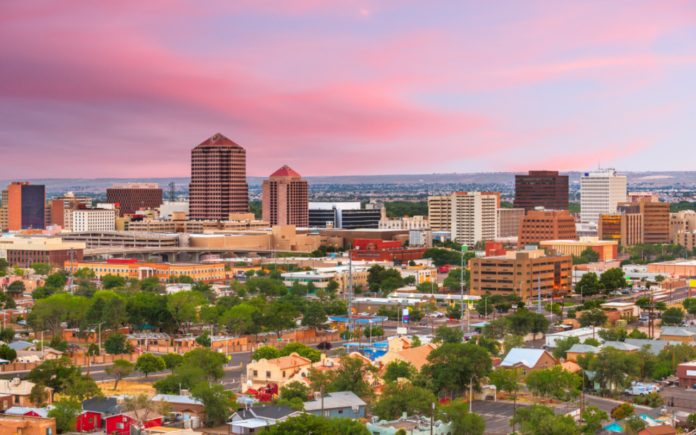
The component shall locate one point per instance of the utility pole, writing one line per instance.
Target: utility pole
(461, 315)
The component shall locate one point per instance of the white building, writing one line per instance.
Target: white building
(404, 223)
(581, 333)
(168, 208)
(600, 192)
(474, 217)
(94, 220)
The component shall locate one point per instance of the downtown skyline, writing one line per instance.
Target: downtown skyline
(345, 88)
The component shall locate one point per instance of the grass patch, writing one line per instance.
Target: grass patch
(569, 304)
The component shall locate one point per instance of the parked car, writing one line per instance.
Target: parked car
(332, 330)
(22, 322)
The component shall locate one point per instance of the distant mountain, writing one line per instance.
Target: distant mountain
(687, 178)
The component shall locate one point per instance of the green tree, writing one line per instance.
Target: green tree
(172, 360)
(542, 420)
(239, 319)
(399, 369)
(507, 380)
(218, 402)
(613, 279)
(310, 423)
(350, 376)
(267, 352)
(400, 397)
(7, 353)
(622, 411)
(445, 334)
(463, 421)
(119, 370)
(281, 317)
(52, 312)
(302, 350)
(554, 382)
(148, 363)
(41, 268)
(563, 345)
(7, 334)
(593, 417)
(332, 286)
(512, 342)
(209, 361)
(116, 344)
(295, 389)
(588, 285)
(614, 369)
(315, 317)
(185, 377)
(633, 424)
(453, 367)
(673, 316)
(594, 317)
(184, 307)
(55, 281)
(39, 395)
(113, 281)
(204, 339)
(16, 288)
(65, 411)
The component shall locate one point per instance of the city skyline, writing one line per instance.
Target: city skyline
(349, 88)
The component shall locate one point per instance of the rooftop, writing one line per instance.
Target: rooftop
(218, 140)
(342, 399)
(527, 357)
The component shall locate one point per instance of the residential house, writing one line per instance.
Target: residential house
(621, 346)
(664, 429)
(581, 333)
(414, 425)
(252, 420)
(274, 371)
(656, 346)
(580, 349)
(19, 391)
(571, 366)
(218, 343)
(528, 360)
(340, 404)
(28, 411)
(98, 410)
(416, 356)
(24, 425)
(37, 356)
(21, 345)
(121, 423)
(327, 363)
(143, 340)
(675, 333)
(184, 405)
(653, 418)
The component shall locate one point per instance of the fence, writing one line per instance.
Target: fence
(79, 360)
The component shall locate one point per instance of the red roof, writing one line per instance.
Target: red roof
(218, 140)
(285, 171)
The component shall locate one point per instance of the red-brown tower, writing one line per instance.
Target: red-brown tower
(285, 199)
(218, 180)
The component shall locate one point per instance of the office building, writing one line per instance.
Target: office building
(624, 227)
(218, 179)
(474, 216)
(635, 196)
(346, 215)
(26, 206)
(129, 197)
(179, 224)
(540, 225)
(656, 220)
(4, 216)
(687, 239)
(522, 273)
(285, 199)
(545, 189)
(385, 250)
(24, 251)
(440, 213)
(607, 249)
(682, 221)
(94, 220)
(601, 192)
(509, 221)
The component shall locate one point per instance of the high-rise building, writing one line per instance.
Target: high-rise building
(656, 219)
(4, 211)
(509, 221)
(545, 189)
(285, 199)
(523, 273)
(601, 192)
(26, 206)
(474, 216)
(130, 197)
(624, 227)
(440, 213)
(89, 220)
(218, 179)
(347, 215)
(540, 225)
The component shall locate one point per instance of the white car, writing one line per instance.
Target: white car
(332, 330)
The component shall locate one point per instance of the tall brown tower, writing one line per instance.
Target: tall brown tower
(218, 180)
(285, 199)
(545, 189)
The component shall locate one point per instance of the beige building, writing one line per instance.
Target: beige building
(607, 249)
(19, 251)
(320, 277)
(274, 371)
(179, 224)
(283, 238)
(4, 213)
(636, 196)
(440, 213)
(509, 221)
(25, 425)
(404, 223)
(521, 273)
(656, 220)
(625, 228)
(682, 221)
(474, 217)
(422, 273)
(416, 356)
(687, 240)
(20, 390)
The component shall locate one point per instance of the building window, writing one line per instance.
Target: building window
(16, 399)
(49, 431)
(268, 374)
(119, 425)
(283, 373)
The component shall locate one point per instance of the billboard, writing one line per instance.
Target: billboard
(692, 283)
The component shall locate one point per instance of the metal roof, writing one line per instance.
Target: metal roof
(528, 357)
(342, 399)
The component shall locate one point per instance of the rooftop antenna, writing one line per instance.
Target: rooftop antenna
(172, 194)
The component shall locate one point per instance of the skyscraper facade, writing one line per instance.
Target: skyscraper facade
(131, 196)
(26, 206)
(285, 199)
(218, 180)
(541, 189)
(474, 216)
(600, 194)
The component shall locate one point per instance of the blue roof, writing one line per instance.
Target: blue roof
(528, 357)
(358, 319)
(20, 345)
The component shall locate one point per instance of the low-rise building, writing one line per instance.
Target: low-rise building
(580, 349)
(131, 268)
(528, 360)
(607, 250)
(416, 356)
(182, 405)
(121, 423)
(674, 333)
(343, 404)
(20, 390)
(23, 251)
(404, 223)
(25, 425)
(321, 277)
(582, 334)
(251, 420)
(274, 371)
(385, 250)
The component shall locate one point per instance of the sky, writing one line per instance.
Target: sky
(95, 89)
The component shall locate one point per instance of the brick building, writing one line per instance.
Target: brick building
(218, 179)
(607, 249)
(545, 189)
(21, 251)
(384, 250)
(624, 227)
(543, 225)
(132, 196)
(285, 199)
(26, 425)
(200, 272)
(26, 206)
(656, 219)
